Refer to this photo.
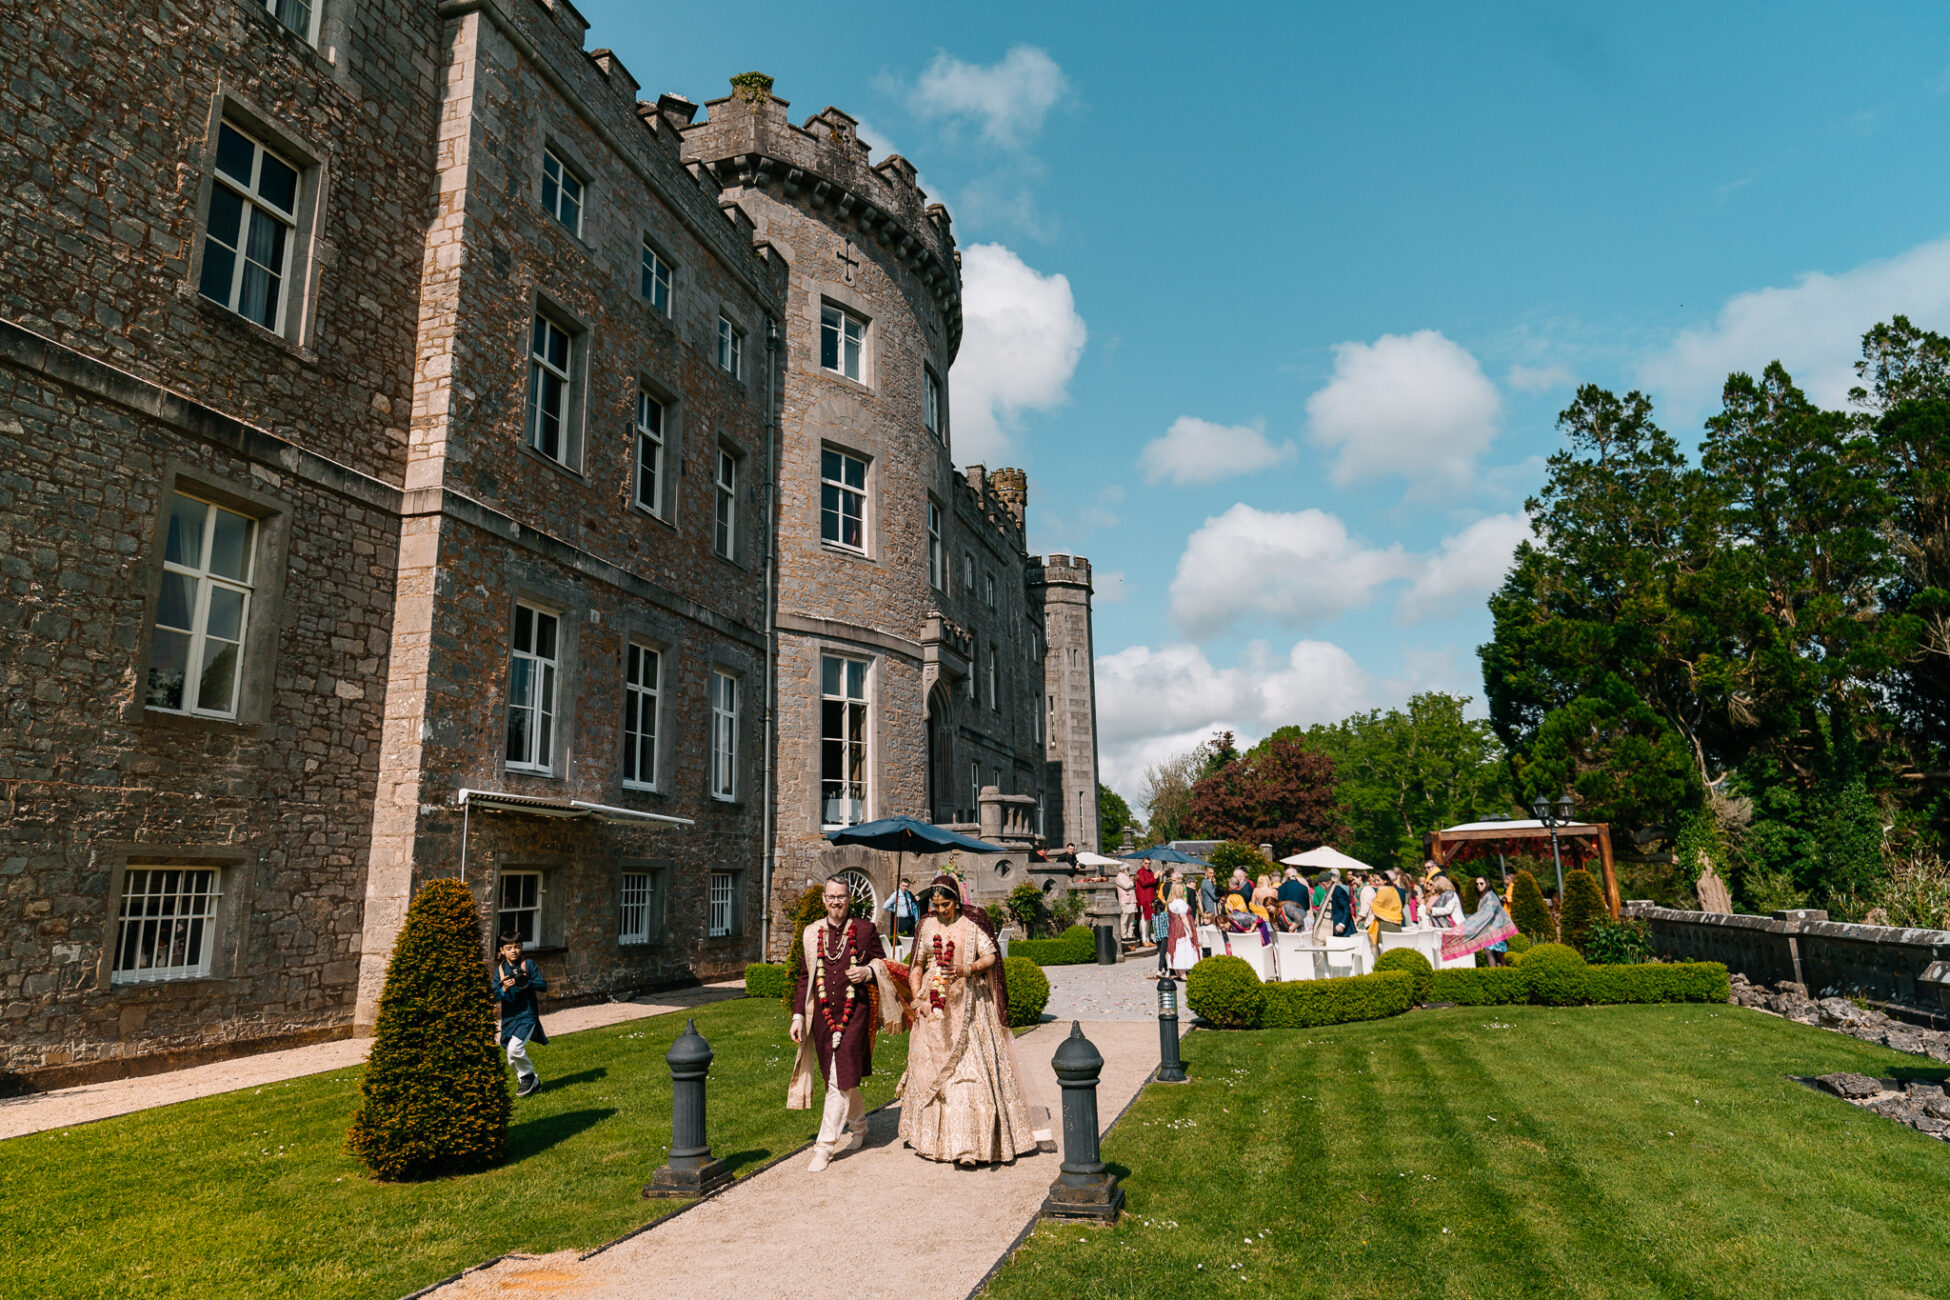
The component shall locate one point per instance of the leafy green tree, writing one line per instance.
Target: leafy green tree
(1529, 910)
(434, 1096)
(1113, 815)
(1583, 905)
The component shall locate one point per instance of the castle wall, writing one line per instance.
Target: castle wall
(1070, 680)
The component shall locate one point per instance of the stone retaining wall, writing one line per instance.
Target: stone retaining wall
(1804, 947)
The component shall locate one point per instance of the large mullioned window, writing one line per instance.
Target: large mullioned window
(841, 338)
(252, 227)
(724, 736)
(843, 741)
(533, 668)
(203, 613)
(642, 683)
(842, 500)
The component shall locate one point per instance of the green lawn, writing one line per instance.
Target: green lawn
(251, 1194)
(1624, 1151)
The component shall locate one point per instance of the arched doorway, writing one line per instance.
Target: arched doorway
(863, 894)
(939, 728)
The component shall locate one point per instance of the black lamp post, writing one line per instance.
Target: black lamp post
(691, 1170)
(1554, 817)
(1171, 1069)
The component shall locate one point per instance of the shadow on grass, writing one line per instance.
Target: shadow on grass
(531, 1137)
(1919, 1074)
(1116, 1170)
(580, 1076)
(738, 1160)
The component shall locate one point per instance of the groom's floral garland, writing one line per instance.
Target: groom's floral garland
(825, 1002)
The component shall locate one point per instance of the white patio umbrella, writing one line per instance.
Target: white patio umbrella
(1326, 858)
(1085, 858)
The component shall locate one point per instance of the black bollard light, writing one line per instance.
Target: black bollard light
(691, 1171)
(1085, 1189)
(1171, 1069)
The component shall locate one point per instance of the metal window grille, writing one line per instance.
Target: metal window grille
(549, 389)
(520, 912)
(642, 679)
(562, 193)
(166, 924)
(841, 337)
(202, 612)
(843, 741)
(532, 674)
(656, 280)
(634, 914)
(248, 236)
(724, 736)
(724, 540)
(649, 453)
(721, 904)
(843, 500)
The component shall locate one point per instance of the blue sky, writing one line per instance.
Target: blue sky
(1277, 304)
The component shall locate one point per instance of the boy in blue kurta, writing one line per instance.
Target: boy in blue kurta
(516, 982)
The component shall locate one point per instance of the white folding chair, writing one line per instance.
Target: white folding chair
(1295, 956)
(1211, 943)
(1255, 953)
(1349, 954)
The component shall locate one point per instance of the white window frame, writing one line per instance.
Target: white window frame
(937, 551)
(543, 365)
(537, 909)
(968, 572)
(974, 671)
(545, 679)
(995, 702)
(651, 418)
(989, 584)
(636, 907)
(248, 191)
(724, 736)
(842, 500)
(166, 909)
(844, 689)
(975, 782)
(564, 192)
(731, 348)
(847, 335)
(657, 281)
(1036, 718)
(721, 919)
(932, 404)
(643, 671)
(206, 585)
(724, 495)
(304, 12)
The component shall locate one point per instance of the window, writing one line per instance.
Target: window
(724, 540)
(842, 500)
(203, 609)
(724, 736)
(993, 704)
(253, 224)
(550, 388)
(975, 782)
(562, 193)
(843, 742)
(521, 907)
(932, 398)
(731, 348)
(974, 668)
(531, 690)
(989, 580)
(840, 337)
(656, 279)
(649, 453)
(295, 14)
(968, 572)
(937, 557)
(1036, 717)
(642, 679)
(1052, 719)
(166, 925)
(636, 908)
(723, 895)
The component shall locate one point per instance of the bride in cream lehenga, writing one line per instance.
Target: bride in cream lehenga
(963, 1098)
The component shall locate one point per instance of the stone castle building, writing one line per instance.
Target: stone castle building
(421, 456)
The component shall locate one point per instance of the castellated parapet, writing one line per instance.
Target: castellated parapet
(1061, 584)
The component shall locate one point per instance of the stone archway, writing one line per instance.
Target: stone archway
(940, 726)
(860, 886)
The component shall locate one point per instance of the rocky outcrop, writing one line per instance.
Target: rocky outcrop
(1792, 1002)
(1922, 1106)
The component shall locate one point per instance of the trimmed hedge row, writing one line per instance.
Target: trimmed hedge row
(1486, 986)
(1302, 1004)
(1076, 946)
(766, 979)
(1679, 981)
(1410, 962)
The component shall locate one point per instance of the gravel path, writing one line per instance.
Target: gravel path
(92, 1101)
(1124, 992)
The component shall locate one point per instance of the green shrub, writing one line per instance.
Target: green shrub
(764, 979)
(1529, 910)
(434, 1096)
(1302, 1004)
(1226, 992)
(1488, 986)
(1617, 943)
(1554, 975)
(1518, 945)
(808, 909)
(1583, 906)
(1414, 963)
(1028, 991)
(1076, 946)
(1238, 853)
(1028, 909)
(1690, 981)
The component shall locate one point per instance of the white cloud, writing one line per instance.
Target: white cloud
(1021, 340)
(1468, 567)
(1009, 99)
(1198, 451)
(879, 143)
(1417, 406)
(1814, 328)
(1540, 379)
(1292, 568)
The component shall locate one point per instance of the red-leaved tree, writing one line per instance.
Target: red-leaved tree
(1281, 793)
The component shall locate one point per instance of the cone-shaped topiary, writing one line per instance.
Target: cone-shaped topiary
(434, 1098)
(1529, 910)
(1583, 905)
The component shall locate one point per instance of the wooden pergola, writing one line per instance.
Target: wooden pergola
(1444, 846)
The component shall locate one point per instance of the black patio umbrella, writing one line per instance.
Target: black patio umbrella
(1165, 853)
(902, 835)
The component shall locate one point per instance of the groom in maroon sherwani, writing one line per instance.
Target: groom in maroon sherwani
(834, 1004)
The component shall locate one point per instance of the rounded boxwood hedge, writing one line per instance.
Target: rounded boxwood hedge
(1555, 975)
(764, 979)
(1302, 1004)
(1028, 991)
(1412, 963)
(1225, 991)
(1518, 944)
(1484, 986)
(1076, 946)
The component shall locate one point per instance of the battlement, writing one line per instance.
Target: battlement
(1068, 570)
(748, 140)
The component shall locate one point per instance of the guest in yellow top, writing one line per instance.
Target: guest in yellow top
(1386, 913)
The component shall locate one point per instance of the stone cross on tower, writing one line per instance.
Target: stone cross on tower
(848, 261)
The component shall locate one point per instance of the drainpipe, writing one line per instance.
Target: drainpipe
(768, 809)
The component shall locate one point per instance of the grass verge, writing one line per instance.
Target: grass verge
(251, 1193)
(1500, 1152)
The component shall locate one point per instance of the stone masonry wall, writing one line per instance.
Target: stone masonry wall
(1804, 947)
